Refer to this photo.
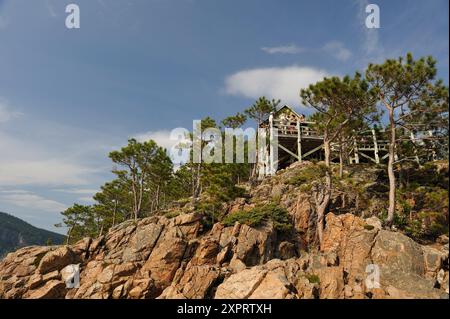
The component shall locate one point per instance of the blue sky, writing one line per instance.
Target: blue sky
(141, 68)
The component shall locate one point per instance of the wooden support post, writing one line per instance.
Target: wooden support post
(262, 153)
(375, 147)
(433, 147)
(413, 140)
(273, 151)
(355, 150)
(299, 141)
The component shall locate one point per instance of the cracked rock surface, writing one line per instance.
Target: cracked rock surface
(158, 257)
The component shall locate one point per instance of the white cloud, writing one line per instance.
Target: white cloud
(45, 155)
(286, 49)
(278, 82)
(338, 50)
(35, 151)
(162, 138)
(30, 200)
(80, 191)
(6, 114)
(43, 172)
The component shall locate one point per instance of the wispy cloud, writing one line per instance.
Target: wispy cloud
(372, 48)
(338, 50)
(86, 193)
(285, 49)
(43, 172)
(51, 8)
(31, 200)
(276, 82)
(6, 112)
(81, 191)
(34, 153)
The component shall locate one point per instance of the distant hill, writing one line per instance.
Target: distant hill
(15, 233)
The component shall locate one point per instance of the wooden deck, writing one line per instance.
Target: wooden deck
(290, 133)
(296, 139)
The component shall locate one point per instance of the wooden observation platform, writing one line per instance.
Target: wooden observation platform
(292, 138)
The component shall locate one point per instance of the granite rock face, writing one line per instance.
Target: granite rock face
(169, 258)
(158, 257)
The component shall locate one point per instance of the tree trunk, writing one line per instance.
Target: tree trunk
(196, 183)
(114, 214)
(157, 197)
(341, 162)
(135, 199)
(193, 181)
(140, 196)
(69, 235)
(327, 192)
(391, 209)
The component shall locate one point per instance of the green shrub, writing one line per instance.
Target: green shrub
(399, 221)
(172, 214)
(414, 229)
(253, 217)
(438, 227)
(313, 279)
(422, 211)
(211, 210)
(259, 214)
(308, 174)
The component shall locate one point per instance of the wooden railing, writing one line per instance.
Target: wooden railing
(382, 145)
(290, 128)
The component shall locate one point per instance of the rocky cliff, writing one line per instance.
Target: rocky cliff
(179, 257)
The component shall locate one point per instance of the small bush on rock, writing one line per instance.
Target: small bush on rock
(262, 213)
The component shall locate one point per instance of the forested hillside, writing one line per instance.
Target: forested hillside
(15, 233)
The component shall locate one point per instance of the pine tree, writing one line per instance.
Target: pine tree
(79, 220)
(113, 203)
(234, 121)
(402, 85)
(338, 102)
(143, 165)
